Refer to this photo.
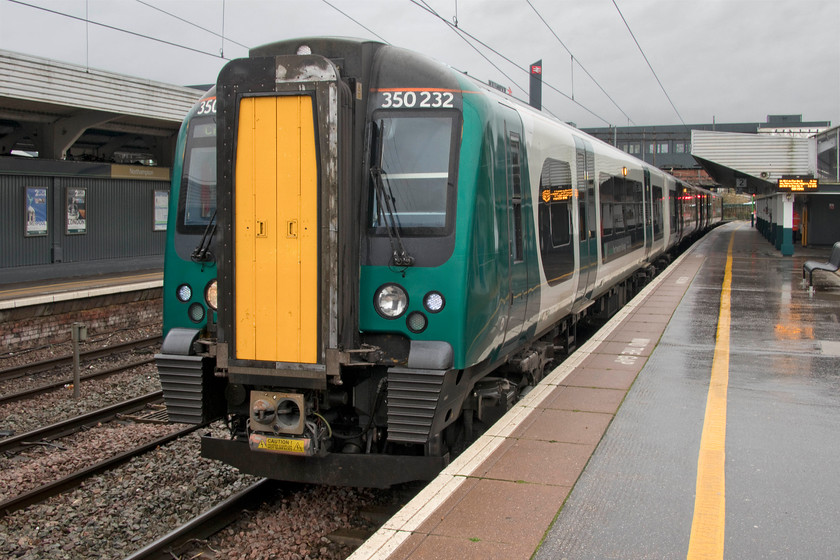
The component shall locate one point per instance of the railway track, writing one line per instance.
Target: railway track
(46, 435)
(71, 425)
(190, 540)
(206, 524)
(26, 393)
(52, 363)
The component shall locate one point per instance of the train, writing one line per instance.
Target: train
(369, 252)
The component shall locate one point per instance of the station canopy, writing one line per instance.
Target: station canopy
(55, 110)
(753, 163)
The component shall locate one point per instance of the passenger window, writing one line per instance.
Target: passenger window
(555, 221)
(560, 226)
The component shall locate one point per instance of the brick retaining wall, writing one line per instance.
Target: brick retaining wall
(49, 323)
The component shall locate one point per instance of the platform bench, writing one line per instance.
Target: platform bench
(832, 265)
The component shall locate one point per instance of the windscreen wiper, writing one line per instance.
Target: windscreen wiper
(202, 252)
(387, 216)
(385, 208)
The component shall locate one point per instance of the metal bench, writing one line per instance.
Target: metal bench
(832, 265)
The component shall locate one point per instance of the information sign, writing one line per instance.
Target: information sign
(798, 184)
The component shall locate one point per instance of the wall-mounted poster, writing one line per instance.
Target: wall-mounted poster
(76, 211)
(161, 210)
(36, 211)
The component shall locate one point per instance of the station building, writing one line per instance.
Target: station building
(85, 163)
(788, 166)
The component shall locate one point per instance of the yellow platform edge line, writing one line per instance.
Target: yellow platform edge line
(707, 526)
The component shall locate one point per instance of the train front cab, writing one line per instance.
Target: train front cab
(305, 391)
(191, 391)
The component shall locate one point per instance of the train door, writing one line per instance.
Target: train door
(275, 226)
(587, 241)
(517, 265)
(647, 211)
(673, 208)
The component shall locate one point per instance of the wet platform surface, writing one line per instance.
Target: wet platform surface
(602, 459)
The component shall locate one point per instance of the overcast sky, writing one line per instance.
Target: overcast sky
(728, 60)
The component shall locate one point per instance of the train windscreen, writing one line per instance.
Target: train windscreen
(197, 202)
(412, 179)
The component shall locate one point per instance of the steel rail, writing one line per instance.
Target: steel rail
(208, 523)
(46, 365)
(76, 423)
(58, 384)
(73, 480)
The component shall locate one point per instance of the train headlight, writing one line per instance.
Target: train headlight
(434, 302)
(211, 294)
(416, 322)
(184, 293)
(390, 301)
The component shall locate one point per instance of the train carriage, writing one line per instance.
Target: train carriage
(394, 250)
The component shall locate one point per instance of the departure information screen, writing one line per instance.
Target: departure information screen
(796, 184)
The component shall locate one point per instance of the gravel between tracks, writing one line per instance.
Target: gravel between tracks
(113, 514)
(118, 512)
(94, 342)
(293, 526)
(28, 414)
(42, 464)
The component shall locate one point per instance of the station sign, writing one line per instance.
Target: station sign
(798, 184)
(500, 87)
(139, 172)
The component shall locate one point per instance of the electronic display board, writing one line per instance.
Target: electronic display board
(798, 184)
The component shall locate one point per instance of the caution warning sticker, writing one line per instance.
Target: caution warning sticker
(278, 445)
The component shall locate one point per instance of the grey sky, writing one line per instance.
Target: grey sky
(731, 60)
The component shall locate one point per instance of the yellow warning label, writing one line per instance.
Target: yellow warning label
(283, 445)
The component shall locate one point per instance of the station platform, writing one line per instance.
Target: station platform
(35, 292)
(702, 421)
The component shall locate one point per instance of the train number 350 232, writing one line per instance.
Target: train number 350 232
(418, 99)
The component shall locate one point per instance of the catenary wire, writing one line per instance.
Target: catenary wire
(649, 64)
(576, 59)
(121, 30)
(457, 30)
(502, 56)
(188, 22)
(363, 26)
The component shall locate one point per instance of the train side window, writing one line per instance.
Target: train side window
(657, 212)
(560, 224)
(607, 194)
(555, 221)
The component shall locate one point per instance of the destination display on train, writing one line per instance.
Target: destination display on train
(557, 195)
(797, 183)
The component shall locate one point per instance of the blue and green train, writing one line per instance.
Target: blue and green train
(370, 251)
